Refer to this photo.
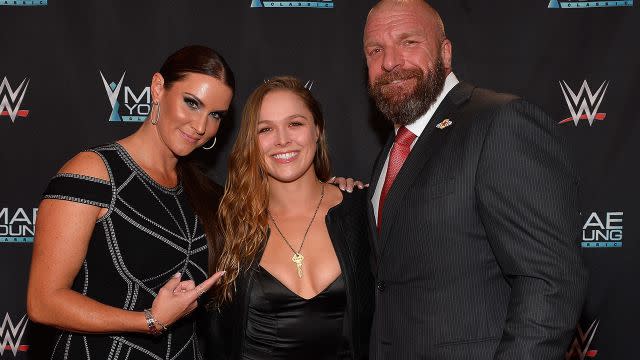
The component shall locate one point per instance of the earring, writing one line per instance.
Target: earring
(212, 145)
(154, 121)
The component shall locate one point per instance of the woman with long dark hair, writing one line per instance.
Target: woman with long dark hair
(120, 253)
(298, 283)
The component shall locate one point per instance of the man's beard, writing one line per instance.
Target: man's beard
(404, 110)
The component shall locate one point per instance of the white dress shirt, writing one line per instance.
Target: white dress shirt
(417, 128)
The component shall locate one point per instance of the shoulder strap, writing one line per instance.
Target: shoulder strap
(79, 188)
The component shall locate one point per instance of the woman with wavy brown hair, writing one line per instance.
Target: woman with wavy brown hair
(296, 251)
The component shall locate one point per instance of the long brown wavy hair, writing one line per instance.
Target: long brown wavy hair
(243, 209)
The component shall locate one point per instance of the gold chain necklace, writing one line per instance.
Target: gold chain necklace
(297, 256)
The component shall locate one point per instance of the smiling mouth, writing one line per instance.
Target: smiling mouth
(285, 157)
(396, 81)
(189, 138)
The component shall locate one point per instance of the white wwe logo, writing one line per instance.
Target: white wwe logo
(12, 334)
(586, 102)
(11, 100)
(585, 338)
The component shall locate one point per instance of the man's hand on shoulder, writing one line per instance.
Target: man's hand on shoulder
(347, 184)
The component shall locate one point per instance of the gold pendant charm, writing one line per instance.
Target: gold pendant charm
(297, 259)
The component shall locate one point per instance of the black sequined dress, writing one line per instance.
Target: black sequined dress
(148, 234)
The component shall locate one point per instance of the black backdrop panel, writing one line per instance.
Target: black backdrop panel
(577, 59)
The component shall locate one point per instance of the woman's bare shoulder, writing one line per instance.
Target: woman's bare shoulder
(86, 163)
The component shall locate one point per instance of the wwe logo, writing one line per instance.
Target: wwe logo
(113, 90)
(580, 346)
(12, 335)
(10, 100)
(585, 101)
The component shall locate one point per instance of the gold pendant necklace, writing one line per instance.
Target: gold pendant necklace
(297, 257)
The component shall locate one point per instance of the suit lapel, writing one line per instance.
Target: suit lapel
(429, 141)
(379, 164)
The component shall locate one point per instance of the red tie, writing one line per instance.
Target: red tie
(399, 152)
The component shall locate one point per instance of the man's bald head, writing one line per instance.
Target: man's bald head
(408, 58)
(422, 8)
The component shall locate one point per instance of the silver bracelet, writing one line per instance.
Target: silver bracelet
(152, 322)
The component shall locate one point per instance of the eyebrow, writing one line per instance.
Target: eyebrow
(401, 36)
(200, 103)
(195, 98)
(293, 116)
(405, 35)
(371, 43)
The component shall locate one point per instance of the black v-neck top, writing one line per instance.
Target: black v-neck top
(315, 322)
(284, 325)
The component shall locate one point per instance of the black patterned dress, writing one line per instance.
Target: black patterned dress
(148, 234)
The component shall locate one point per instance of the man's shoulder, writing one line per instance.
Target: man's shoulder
(488, 98)
(482, 102)
(505, 111)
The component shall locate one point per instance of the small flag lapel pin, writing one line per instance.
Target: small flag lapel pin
(444, 123)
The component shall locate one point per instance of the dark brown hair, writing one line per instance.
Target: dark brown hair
(203, 194)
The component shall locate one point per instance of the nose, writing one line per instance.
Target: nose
(199, 125)
(282, 137)
(392, 59)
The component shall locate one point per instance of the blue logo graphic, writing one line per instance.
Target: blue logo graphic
(603, 231)
(136, 108)
(17, 225)
(324, 4)
(23, 3)
(582, 4)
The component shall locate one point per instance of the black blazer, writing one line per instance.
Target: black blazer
(348, 229)
(477, 256)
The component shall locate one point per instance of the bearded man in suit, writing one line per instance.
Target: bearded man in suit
(474, 208)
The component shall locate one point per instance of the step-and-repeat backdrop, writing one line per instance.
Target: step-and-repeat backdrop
(76, 73)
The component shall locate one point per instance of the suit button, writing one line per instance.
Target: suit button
(381, 286)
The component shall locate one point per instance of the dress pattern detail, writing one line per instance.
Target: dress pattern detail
(147, 235)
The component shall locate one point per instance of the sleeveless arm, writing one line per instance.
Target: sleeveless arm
(81, 195)
(72, 203)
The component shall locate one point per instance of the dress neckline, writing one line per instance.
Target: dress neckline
(268, 273)
(140, 171)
